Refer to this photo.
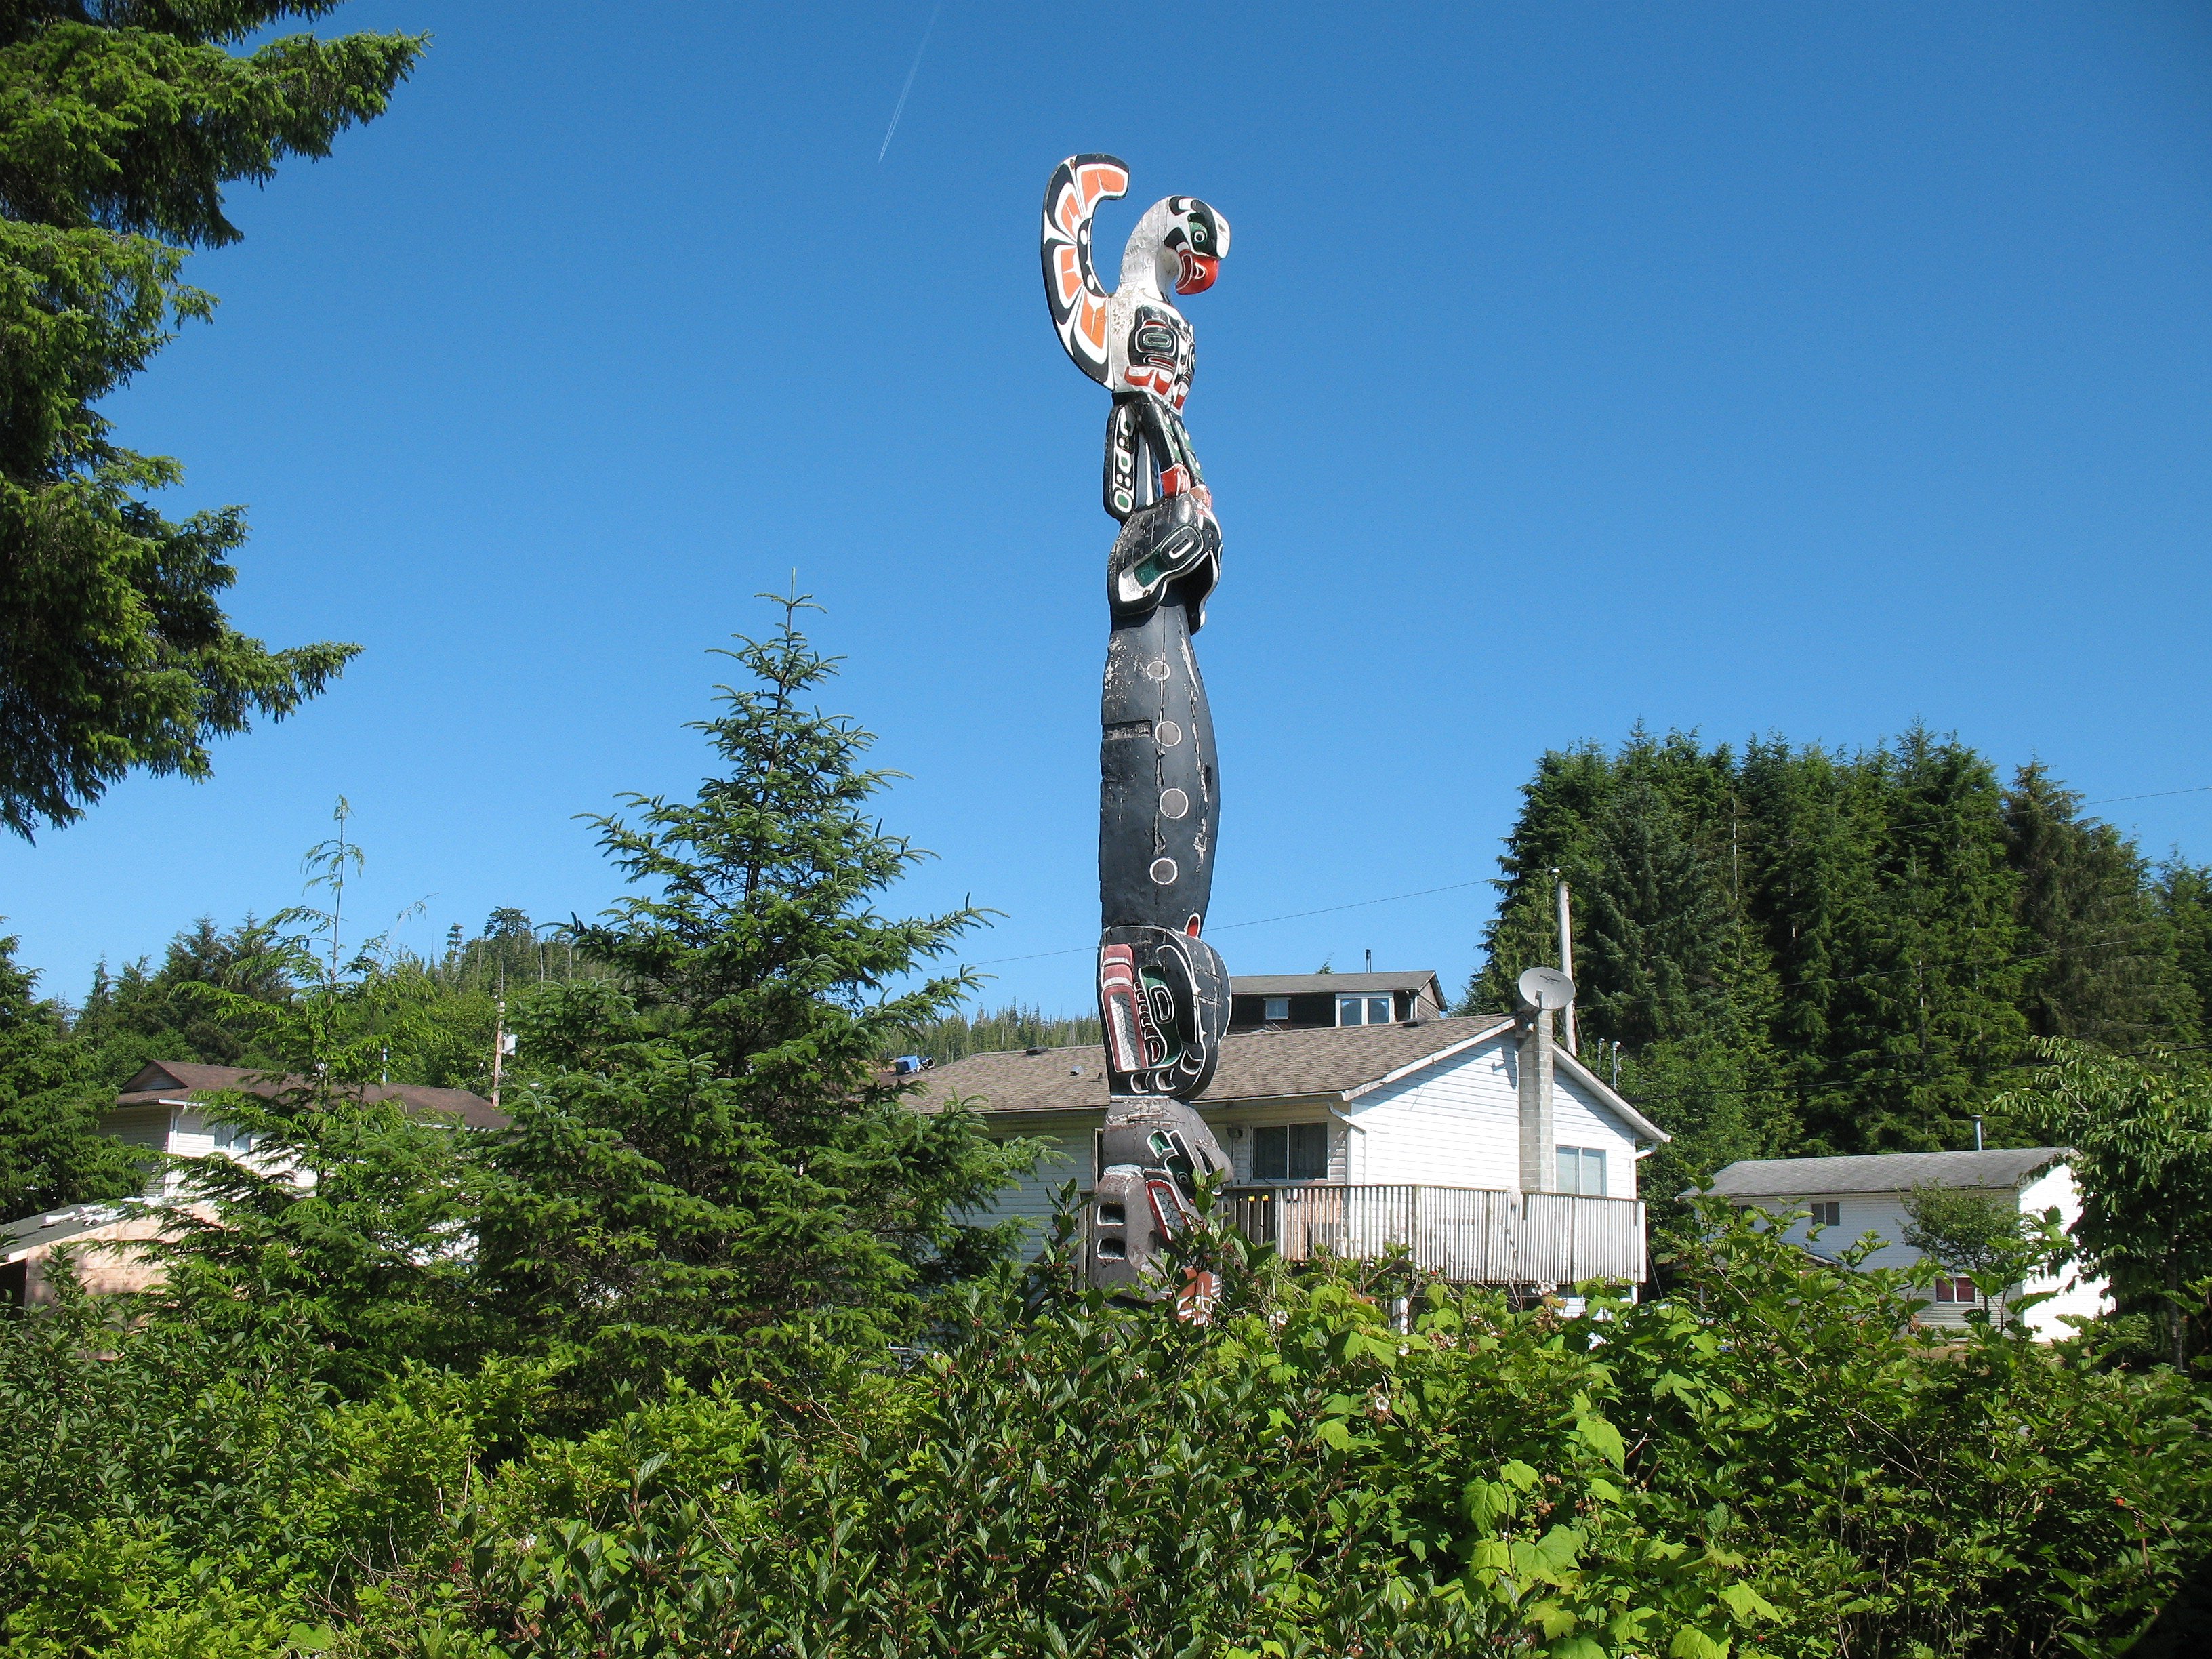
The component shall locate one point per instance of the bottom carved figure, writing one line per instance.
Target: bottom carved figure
(1154, 1152)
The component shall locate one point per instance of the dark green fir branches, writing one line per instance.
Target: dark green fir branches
(1803, 950)
(120, 123)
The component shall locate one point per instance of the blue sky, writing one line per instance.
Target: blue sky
(1802, 368)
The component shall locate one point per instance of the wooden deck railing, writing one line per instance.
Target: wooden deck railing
(1469, 1235)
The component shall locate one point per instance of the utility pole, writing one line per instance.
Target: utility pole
(1567, 966)
(498, 1037)
(498, 1049)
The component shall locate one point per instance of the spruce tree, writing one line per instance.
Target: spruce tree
(707, 1158)
(1815, 952)
(2104, 967)
(1927, 1014)
(51, 1151)
(2183, 895)
(119, 126)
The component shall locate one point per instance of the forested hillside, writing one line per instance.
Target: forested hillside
(1802, 950)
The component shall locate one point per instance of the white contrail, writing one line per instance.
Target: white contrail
(900, 108)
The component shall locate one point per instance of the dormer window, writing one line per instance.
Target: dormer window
(1363, 1010)
(1273, 1009)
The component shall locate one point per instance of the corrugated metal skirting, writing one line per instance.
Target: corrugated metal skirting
(1470, 1235)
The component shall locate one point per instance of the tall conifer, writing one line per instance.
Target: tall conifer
(2105, 967)
(119, 126)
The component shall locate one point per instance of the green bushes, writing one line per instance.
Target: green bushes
(1767, 1462)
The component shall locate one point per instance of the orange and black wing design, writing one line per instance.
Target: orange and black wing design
(1072, 288)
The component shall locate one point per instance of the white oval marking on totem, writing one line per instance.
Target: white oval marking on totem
(1163, 871)
(1168, 733)
(1174, 804)
(1155, 670)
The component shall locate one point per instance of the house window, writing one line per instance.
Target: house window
(1290, 1151)
(1581, 1171)
(1274, 1008)
(1363, 1010)
(228, 1139)
(1956, 1290)
(1826, 1214)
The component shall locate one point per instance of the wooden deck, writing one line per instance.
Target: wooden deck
(1469, 1235)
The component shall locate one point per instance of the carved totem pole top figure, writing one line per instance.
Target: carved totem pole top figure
(1162, 991)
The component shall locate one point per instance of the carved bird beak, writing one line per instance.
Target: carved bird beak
(1198, 272)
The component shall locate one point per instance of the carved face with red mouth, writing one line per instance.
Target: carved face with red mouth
(1198, 240)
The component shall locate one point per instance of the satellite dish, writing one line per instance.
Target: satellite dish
(1546, 988)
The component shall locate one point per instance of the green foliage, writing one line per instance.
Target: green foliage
(2140, 1127)
(1807, 952)
(228, 997)
(51, 1152)
(2183, 893)
(184, 1484)
(212, 999)
(707, 1160)
(1770, 1462)
(119, 126)
(750, 935)
(349, 1225)
(1982, 1234)
(951, 1036)
(2107, 969)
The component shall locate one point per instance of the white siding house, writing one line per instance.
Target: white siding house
(160, 1110)
(1844, 1198)
(1355, 1137)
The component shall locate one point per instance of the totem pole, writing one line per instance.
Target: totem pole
(1162, 992)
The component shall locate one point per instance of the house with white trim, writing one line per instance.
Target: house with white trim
(163, 1110)
(1476, 1143)
(1833, 1202)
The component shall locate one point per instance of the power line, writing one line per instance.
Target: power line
(1838, 822)
(1262, 921)
(1832, 1079)
(1495, 881)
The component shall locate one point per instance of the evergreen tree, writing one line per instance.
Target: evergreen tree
(51, 1151)
(2106, 969)
(709, 1158)
(348, 1227)
(1806, 951)
(1926, 1014)
(212, 1000)
(1666, 960)
(119, 126)
(2183, 896)
(1014, 1026)
(1632, 835)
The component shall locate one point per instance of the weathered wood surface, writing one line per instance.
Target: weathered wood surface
(1469, 1235)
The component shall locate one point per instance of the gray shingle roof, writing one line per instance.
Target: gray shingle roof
(1881, 1172)
(1327, 1060)
(57, 1226)
(172, 1080)
(1292, 985)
